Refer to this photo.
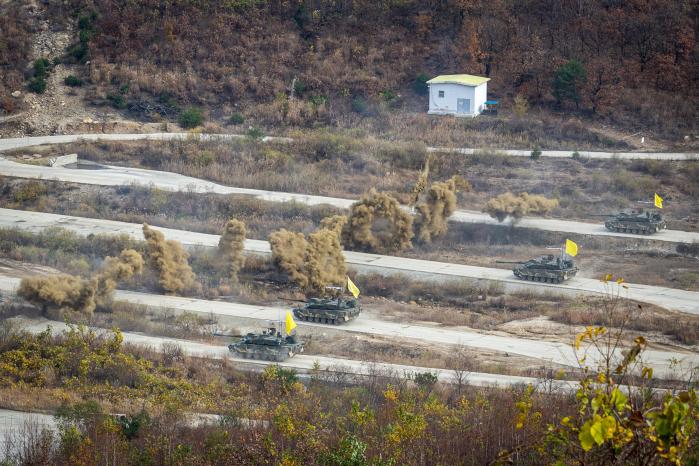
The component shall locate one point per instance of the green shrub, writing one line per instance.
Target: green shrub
(576, 155)
(78, 51)
(237, 119)
(420, 84)
(191, 118)
(318, 100)
(535, 154)
(73, 81)
(388, 95)
(37, 85)
(299, 87)
(29, 192)
(360, 105)
(255, 133)
(117, 100)
(41, 67)
(568, 81)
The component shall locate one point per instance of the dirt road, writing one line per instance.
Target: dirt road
(669, 298)
(14, 143)
(117, 176)
(306, 363)
(552, 352)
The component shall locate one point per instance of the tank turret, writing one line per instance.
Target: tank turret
(545, 269)
(269, 345)
(638, 222)
(328, 310)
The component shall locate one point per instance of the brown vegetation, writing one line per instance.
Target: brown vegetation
(378, 223)
(516, 207)
(169, 260)
(231, 246)
(367, 56)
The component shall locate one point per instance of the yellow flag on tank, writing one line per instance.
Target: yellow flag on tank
(290, 324)
(571, 248)
(658, 201)
(352, 288)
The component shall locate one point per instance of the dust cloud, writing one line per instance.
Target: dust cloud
(335, 223)
(509, 205)
(377, 223)
(438, 204)
(314, 262)
(169, 260)
(71, 294)
(231, 246)
(421, 183)
(115, 270)
(63, 292)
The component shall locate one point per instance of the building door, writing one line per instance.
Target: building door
(463, 105)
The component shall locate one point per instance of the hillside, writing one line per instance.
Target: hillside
(361, 61)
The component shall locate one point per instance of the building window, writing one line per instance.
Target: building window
(441, 93)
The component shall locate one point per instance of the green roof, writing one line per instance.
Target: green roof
(465, 79)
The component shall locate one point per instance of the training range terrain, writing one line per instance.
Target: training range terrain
(669, 298)
(546, 351)
(116, 176)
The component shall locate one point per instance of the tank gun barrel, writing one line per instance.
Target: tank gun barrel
(509, 262)
(292, 300)
(602, 215)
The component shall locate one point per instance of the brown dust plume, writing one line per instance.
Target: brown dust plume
(231, 246)
(377, 223)
(438, 204)
(169, 260)
(508, 205)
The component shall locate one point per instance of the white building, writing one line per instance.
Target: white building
(457, 94)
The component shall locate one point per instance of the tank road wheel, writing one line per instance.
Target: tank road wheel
(560, 280)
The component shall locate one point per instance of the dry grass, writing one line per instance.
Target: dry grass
(345, 166)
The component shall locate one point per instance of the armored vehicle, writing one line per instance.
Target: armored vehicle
(637, 222)
(328, 311)
(269, 345)
(547, 269)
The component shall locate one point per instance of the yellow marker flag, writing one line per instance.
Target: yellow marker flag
(658, 201)
(352, 288)
(571, 248)
(290, 324)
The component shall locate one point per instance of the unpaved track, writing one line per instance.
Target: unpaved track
(306, 363)
(669, 298)
(552, 352)
(117, 176)
(15, 143)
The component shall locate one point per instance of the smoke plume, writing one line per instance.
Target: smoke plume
(63, 292)
(231, 247)
(289, 254)
(437, 206)
(335, 223)
(509, 205)
(312, 263)
(421, 183)
(68, 293)
(169, 260)
(325, 264)
(377, 223)
(114, 270)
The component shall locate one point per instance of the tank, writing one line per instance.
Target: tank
(269, 345)
(328, 310)
(545, 269)
(636, 222)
